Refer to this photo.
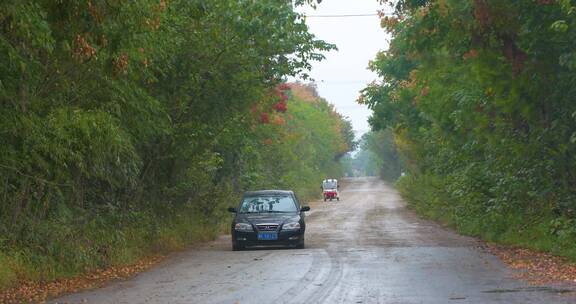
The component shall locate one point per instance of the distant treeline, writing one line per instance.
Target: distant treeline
(480, 97)
(127, 127)
(377, 156)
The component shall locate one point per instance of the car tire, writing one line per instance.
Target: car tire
(236, 247)
(338, 199)
(300, 244)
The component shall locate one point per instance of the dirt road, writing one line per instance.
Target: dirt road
(367, 248)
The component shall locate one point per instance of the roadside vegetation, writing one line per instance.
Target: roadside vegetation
(377, 156)
(479, 95)
(127, 127)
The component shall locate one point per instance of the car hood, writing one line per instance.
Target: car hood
(267, 218)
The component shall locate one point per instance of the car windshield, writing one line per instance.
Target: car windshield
(268, 204)
(329, 184)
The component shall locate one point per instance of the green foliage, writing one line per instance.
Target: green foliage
(378, 156)
(479, 95)
(297, 149)
(127, 127)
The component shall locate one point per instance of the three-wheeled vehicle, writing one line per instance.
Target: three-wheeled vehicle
(330, 189)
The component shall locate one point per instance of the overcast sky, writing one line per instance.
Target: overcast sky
(344, 72)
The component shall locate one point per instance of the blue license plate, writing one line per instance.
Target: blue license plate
(268, 236)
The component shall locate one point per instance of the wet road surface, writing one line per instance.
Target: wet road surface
(366, 248)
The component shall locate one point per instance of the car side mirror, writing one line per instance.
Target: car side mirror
(305, 208)
(232, 210)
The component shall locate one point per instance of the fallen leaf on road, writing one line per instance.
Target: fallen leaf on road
(535, 267)
(38, 292)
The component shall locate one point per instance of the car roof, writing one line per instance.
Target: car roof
(268, 192)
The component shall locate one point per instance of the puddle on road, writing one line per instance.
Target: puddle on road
(532, 289)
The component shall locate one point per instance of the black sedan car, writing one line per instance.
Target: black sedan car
(268, 217)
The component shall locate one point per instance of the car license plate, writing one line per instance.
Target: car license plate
(268, 236)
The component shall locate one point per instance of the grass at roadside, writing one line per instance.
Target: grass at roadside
(39, 291)
(540, 231)
(70, 254)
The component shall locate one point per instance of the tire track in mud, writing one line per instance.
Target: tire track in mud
(332, 280)
(303, 283)
(324, 284)
(317, 284)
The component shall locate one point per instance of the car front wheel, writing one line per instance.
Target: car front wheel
(236, 247)
(300, 244)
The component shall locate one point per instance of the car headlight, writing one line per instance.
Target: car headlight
(291, 226)
(243, 227)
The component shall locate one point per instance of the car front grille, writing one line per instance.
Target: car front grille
(267, 227)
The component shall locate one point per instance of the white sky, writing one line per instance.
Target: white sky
(343, 73)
